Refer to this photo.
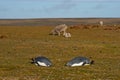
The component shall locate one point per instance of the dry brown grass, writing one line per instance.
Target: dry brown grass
(23, 43)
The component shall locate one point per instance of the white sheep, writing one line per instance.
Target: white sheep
(101, 23)
(59, 29)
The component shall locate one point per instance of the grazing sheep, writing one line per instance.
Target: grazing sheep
(59, 29)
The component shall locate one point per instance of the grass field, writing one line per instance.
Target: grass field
(19, 44)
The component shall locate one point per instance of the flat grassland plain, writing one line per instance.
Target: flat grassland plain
(21, 40)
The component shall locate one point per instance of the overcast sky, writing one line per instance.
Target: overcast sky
(59, 9)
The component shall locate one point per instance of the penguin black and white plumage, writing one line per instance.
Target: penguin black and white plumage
(79, 61)
(41, 61)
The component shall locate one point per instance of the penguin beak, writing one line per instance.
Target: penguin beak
(33, 61)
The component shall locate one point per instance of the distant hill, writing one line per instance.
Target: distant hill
(56, 21)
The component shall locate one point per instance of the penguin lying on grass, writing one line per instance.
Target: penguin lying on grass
(41, 61)
(79, 61)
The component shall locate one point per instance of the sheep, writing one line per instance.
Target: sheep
(101, 23)
(59, 29)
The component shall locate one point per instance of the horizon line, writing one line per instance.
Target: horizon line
(64, 18)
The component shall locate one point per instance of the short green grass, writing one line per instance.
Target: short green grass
(20, 44)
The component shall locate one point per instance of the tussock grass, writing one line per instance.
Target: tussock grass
(23, 43)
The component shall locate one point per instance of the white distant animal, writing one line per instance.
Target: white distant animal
(101, 23)
(67, 35)
(59, 29)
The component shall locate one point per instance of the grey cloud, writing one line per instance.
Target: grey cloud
(63, 5)
(68, 4)
(3, 9)
(99, 6)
